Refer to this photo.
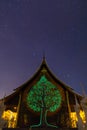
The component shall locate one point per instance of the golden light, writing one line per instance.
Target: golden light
(82, 114)
(10, 117)
(74, 118)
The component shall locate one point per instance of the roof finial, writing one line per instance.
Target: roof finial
(44, 56)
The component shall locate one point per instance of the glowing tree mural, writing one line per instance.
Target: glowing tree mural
(44, 97)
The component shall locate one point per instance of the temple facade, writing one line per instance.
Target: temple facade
(43, 101)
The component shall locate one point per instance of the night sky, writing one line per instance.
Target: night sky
(29, 28)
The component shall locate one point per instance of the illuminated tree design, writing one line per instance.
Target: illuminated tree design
(43, 97)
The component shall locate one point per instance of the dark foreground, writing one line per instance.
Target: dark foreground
(39, 129)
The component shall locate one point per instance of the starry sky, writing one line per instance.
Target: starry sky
(29, 28)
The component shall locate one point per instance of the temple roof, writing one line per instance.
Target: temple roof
(43, 68)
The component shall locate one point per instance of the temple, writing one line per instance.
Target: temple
(43, 101)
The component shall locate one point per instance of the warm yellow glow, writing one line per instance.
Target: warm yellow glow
(82, 114)
(10, 117)
(74, 118)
